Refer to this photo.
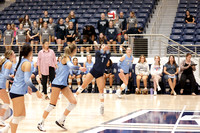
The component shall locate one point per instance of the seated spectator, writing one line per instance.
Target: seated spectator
(101, 39)
(40, 23)
(142, 72)
(111, 34)
(125, 42)
(51, 26)
(8, 37)
(171, 70)
(89, 32)
(118, 26)
(132, 21)
(187, 67)
(189, 18)
(21, 35)
(156, 73)
(72, 18)
(75, 74)
(109, 74)
(46, 17)
(34, 34)
(45, 33)
(135, 31)
(85, 40)
(67, 22)
(122, 19)
(77, 36)
(88, 65)
(102, 24)
(70, 34)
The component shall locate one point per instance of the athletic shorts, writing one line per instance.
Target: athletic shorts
(35, 39)
(61, 37)
(58, 86)
(12, 95)
(1, 88)
(95, 73)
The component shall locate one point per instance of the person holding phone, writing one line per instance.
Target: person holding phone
(187, 67)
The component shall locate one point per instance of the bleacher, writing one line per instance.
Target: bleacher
(183, 33)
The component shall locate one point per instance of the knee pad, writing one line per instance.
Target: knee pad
(101, 96)
(78, 80)
(37, 77)
(70, 80)
(93, 80)
(71, 106)
(17, 119)
(5, 106)
(123, 86)
(50, 107)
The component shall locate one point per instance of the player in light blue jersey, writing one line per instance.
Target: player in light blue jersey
(59, 84)
(125, 69)
(89, 64)
(75, 74)
(5, 70)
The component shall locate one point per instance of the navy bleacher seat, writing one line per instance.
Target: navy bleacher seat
(189, 31)
(188, 38)
(177, 31)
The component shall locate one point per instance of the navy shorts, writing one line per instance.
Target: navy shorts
(12, 95)
(61, 37)
(35, 39)
(58, 86)
(95, 73)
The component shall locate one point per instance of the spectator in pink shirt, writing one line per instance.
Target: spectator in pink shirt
(46, 65)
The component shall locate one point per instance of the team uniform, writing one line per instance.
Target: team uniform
(75, 72)
(88, 67)
(101, 60)
(62, 74)
(4, 75)
(21, 36)
(60, 31)
(21, 82)
(126, 64)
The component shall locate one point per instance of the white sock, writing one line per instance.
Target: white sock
(42, 120)
(5, 129)
(63, 117)
(78, 86)
(1, 118)
(102, 103)
(80, 89)
(70, 86)
(92, 86)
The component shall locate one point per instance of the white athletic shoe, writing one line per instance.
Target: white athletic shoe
(41, 127)
(5, 129)
(111, 91)
(155, 93)
(118, 93)
(101, 109)
(61, 124)
(2, 123)
(159, 89)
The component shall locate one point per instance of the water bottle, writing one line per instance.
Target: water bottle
(151, 91)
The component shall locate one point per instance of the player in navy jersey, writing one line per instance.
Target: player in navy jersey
(75, 74)
(20, 88)
(101, 58)
(5, 70)
(59, 84)
(89, 64)
(125, 69)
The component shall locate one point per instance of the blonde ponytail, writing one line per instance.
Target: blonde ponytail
(69, 50)
(7, 55)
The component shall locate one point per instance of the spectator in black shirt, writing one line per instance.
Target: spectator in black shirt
(46, 17)
(70, 34)
(86, 40)
(109, 74)
(187, 67)
(89, 32)
(111, 34)
(122, 19)
(135, 31)
(102, 24)
(189, 18)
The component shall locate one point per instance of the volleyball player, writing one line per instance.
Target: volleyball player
(20, 88)
(5, 70)
(101, 58)
(89, 64)
(60, 31)
(75, 74)
(125, 69)
(59, 84)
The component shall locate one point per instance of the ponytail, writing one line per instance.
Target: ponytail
(20, 58)
(7, 55)
(69, 50)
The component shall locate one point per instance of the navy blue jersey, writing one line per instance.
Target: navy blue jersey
(101, 60)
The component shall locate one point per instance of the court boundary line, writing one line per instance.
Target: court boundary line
(178, 120)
